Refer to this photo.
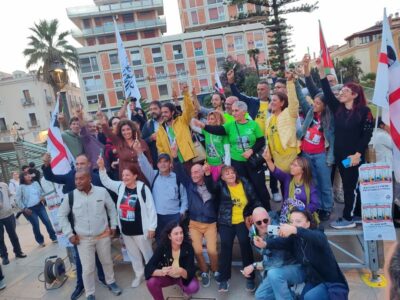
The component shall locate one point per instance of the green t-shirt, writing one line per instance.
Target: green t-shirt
(172, 139)
(215, 148)
(249, 132)
(229, 118)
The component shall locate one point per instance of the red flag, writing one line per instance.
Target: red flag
(325, 56)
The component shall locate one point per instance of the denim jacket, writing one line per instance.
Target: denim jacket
(329, 133)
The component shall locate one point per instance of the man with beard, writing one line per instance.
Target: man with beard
(149, 131)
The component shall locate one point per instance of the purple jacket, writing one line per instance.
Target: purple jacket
(91, 146)
(285, 178)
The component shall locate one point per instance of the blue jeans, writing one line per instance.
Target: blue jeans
(162, 221)
(315, 292)
(39, 212)
(276, 284)
(322, 173)
(79, 280)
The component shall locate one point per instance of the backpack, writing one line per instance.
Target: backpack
(178, 184)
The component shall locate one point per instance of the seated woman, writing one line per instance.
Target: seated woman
(324, 279)
(298, 189)
(172, 263)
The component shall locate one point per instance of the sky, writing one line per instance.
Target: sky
(339, 18)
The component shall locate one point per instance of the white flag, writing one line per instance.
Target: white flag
(61, 157)
(128, 77)
(218, 85)
(387, 89)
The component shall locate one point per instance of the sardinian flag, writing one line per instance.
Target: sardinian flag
(61, 158)
(128, 78)
(387, 89)
(325, 56)
(218, 85)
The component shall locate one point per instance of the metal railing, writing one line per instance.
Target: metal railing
(27, 101)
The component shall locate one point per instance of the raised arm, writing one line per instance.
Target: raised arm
(329, 97)
(180, 172)
(293, 105)
(112, 185)
(145, 166)
(311, 87)
(305, 106)
(188, 107)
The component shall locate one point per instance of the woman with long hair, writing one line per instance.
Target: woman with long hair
(124, 138)
(136, 215)
(172, 263)
(110, 151)
(29, 200)
(353, 131)
(237, 198)
(298, 188)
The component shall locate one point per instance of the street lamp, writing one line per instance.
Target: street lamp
(59, 75)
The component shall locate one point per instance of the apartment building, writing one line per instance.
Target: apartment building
(26, 104)
(161, 63)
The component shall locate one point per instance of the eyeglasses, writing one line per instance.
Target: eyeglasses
(345, 91)
(265, 221)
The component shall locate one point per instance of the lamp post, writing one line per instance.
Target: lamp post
(59, 76)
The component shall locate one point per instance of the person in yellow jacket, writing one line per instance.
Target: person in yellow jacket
(175, 129)
(281, 126)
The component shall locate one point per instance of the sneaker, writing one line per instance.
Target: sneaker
(324, 215)
(357, 220)
(91, 297)
(102, 282)
(6, 261)
(343, 224)
(42, 245)
(20, 255)
(205, 279)
(137, 281)
(115, 289)
(277, 197)
(54, 241)
(77, 292)
(250, 285)
(223, 286)
(216, 276)
(2, 284)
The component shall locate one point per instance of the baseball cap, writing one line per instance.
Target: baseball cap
(164, 156)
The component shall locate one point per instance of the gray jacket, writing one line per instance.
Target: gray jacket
(5, 203)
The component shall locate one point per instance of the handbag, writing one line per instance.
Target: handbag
(256, 160)
(199, 150)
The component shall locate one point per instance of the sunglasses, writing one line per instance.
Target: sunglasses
(265, 221)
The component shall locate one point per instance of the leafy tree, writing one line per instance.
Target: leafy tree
(253, 53)
(46, 46)
(280, 48)
(250, 85)
(349, 69)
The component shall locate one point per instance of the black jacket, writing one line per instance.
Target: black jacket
(162, 257)
(147, 131)
(312, 250)
(221, 192)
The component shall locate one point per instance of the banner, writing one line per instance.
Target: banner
(376, 188)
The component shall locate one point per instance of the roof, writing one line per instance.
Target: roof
(375, 29)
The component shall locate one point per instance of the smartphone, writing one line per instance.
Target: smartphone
(273, 229)
(253, 231)
(101, 153)
(234, 67)
(346, 162)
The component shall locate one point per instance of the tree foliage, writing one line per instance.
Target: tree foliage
(46, 45)
(348, 69)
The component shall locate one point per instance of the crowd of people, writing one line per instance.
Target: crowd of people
(184, 174)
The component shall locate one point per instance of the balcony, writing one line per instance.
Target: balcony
(109, 28)
(107, 9)
(33, 124)
(27, 101)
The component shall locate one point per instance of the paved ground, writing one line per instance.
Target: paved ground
(23, 284)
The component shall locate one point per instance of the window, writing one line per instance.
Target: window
(32, 120)
(143, 92)
(258, 9)
(3, 126)
(91, 41)
(120, 95)
(131, 36)
(204, 85)
(139, 74)
(160, 73)
(128, 18)
(177, 50)
(163, 90)
(87, 23)
(149, 33)
(195, 18)
(192, 3)
(241, 8)
(238, 42)
(157, 56)
(113, 59)
(88, 64)
(27, 95)
(136, 57)
(216, 14)
(258, 40)
(219, 48)
(200, 66)
(180, 69)
(365, 39)
(214, 1)
(117, 80)
(108, 39)
(198, 49)
(220, 62)
(94, 101)
(92, 83)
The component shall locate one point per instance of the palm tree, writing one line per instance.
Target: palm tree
(253, 53)
(47, 46)
(349, 68)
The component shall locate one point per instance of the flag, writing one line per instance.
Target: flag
(324, 53)
(387, 89)
(128, 78)
(218, 85)
(61, 158)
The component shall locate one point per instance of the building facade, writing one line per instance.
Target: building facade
(26, 104)
(161, 63)
(365, 45)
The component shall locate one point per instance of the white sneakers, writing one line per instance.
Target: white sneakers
(137, 281)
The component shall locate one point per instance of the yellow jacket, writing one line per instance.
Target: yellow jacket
(181, 128)
(286, 120)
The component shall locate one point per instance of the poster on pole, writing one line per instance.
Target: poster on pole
(376, 189)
